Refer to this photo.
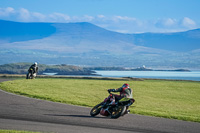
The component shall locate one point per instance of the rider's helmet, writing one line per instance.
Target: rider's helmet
(125, 85)
(35, 63)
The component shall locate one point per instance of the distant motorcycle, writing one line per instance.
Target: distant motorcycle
(106, 108)
(31, 74)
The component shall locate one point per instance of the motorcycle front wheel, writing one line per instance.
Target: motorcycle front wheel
(96, 110)
(117, 112)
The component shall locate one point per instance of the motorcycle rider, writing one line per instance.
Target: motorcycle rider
(33, 68)
(125, 92)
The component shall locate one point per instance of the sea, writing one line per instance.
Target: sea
(174, 75)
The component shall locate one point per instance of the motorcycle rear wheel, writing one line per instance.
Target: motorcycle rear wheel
(96, 110)
(118, 112)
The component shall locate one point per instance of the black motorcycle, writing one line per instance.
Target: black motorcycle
(107, 108)
(30, 74)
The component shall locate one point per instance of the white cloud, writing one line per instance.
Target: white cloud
(170, 22)
(9, 9)
(187, 22)
(166, 23)
(101, 16)
(59, 17)
(24, 15)
(6, 11)
(88, 18)
(38, 16)
(123, 18)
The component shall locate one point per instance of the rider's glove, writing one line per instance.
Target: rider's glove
(111, 90)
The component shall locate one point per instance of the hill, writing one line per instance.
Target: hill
(14, 31)
(22, 68)
(179, 41)
(86, 44)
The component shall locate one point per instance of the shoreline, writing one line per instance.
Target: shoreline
(90, 77)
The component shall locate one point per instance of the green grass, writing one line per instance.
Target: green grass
(169, 99)
(16, 131)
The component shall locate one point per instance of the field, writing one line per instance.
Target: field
(169, 99)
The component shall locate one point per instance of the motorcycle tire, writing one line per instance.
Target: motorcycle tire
(96, 110)
(118, 112)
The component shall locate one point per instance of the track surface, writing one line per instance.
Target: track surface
(22, 113)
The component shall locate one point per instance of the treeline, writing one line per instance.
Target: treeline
(63, 69)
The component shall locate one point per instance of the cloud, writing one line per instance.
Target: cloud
(58, 17)
(85, 18)
(117, 23)
(24, 15)
(6, 12)
(166, 23)
(100, 16)
(38, 16)
(123, 18)
(169, 22)
(187, 22)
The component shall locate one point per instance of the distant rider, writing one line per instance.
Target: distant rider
(33, 68)
(125, 92)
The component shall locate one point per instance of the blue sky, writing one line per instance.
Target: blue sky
(127, 16)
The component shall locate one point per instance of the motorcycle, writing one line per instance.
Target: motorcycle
(112, 109)
(30, 74)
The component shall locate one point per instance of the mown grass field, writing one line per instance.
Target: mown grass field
(169, 99)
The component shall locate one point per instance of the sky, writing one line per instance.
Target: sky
(125, 16)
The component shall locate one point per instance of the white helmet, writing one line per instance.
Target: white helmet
(35, 63)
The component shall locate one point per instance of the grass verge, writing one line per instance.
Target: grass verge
(16, 131)
(169, 99)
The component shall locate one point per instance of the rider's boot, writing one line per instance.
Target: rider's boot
(127, 111)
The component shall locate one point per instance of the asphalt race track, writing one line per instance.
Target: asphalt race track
(22, 113)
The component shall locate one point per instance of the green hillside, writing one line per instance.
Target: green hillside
(63, 69)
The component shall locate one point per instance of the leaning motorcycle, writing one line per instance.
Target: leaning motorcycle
(30, 74)
(107, 108)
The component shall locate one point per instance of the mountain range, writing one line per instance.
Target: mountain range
(86, 44)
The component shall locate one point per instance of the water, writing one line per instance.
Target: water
(50, 74)
(193, 75)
